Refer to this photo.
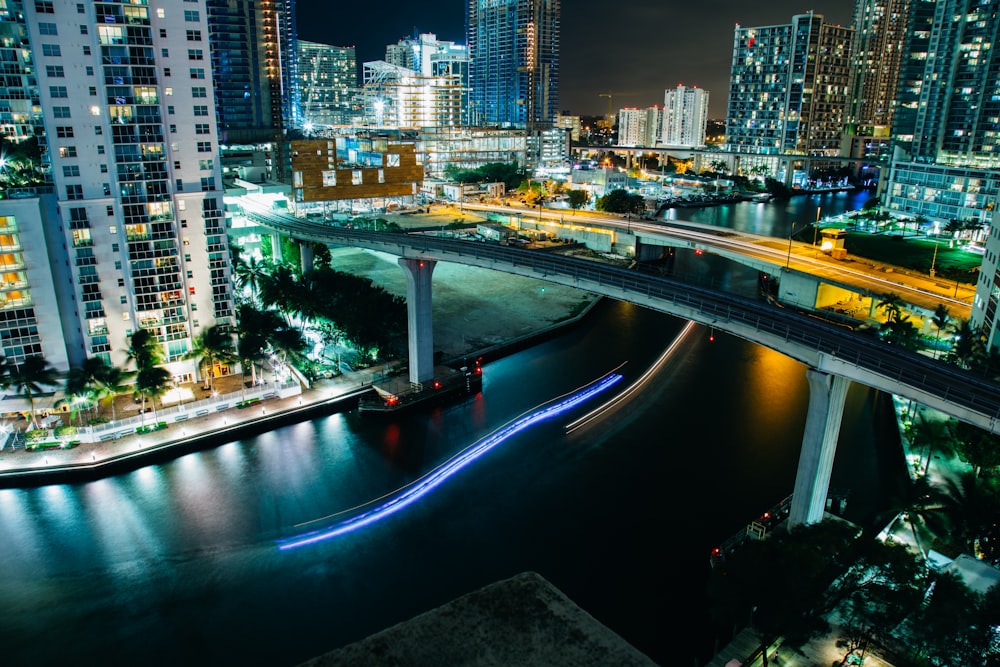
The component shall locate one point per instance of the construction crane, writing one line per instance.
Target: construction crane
(609, 95)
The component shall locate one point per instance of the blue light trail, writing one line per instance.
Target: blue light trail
(434, 478)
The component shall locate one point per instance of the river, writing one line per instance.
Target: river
(179, 563)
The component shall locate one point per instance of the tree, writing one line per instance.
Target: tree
(214, 344)
(144, 350)
(578, 198)
(112, 381)
(719, 166)
(892, 305)
(280, 290)
(28, 377)
(151, 382)
(952, 626)
(963, 347)
(941, 321)
(620, 201)
(901, 332)
(979, 448)
(250, 274)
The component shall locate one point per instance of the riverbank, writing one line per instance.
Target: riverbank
(477, 301)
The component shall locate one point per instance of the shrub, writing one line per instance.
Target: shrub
(65, 431)
(36, 435)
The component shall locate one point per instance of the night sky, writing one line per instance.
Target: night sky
(638, 47)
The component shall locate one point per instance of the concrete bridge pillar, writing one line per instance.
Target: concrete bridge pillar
(276, 246)
(419, 322)
(306, 256)
(819, 444)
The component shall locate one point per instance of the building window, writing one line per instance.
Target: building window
(180, 185)
(173, 129)
(100, 149)
(197, 73)
(205, 165)
(104, 168)
(47, 29)
(199, 91)
(67, 151)
(204, 146)
(98, 130)
(74, 192)
(43, 7)
(51, 50)
(177, 164)
(170, 110)
(195, 54)
(89, 71)
(163, 33)
(71, 170)
(166, 73)
(200, 110)
(83, 30)
(201, 128)
(64, 131)
(86, 50)
(60, 112)
(194, 35)
(161, 13)
(356, 177)
(55, 71)
(111, 210)
(207, 184)
(58, 92)
(80, 9)
(93, 91)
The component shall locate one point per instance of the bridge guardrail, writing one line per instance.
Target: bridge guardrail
(955, 385)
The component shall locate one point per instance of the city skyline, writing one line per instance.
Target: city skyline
(655, 56)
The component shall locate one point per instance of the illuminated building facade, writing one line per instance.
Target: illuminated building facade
(788, 87)
(685, 115)
(514, 61)
(328, 80)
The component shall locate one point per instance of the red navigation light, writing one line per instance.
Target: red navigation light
(437, 385)
(716, 550)
(711, 338)
(698, 251)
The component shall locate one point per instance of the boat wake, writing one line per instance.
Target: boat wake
(379, 508)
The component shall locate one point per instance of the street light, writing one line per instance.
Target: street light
(788, 259)
(816, 229)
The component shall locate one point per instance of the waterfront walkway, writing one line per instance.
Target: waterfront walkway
(22, 467)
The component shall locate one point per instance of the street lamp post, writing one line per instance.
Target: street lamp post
(788, 259)
(816, 229)
(934, 259)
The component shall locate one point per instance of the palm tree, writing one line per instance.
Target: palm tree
(214, 344)
(28, 377)
(112, 382)
(941, 320)
(250, 274)
(964, 345)
(280, 290)
(144, 349)
(151, 383)
(892, 305)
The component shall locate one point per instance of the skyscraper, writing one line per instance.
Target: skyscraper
(514, 61)
(328, 78)
(949, 94)
(255, 60)
(685, 115)
(880, 28)
(788, 88)
(130, 120)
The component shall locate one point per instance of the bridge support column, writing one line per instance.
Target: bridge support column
(819, 444)
(419, 322)
(306, 256)
(276, 247)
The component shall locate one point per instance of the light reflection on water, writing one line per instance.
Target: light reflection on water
(177, 560)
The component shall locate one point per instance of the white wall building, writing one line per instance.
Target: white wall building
(685, 115)
(639, 127)
(130, 120)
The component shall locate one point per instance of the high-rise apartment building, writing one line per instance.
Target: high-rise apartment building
(20, 108)
(328, 79)
(255, 60)
(685, 115)
(949, 94)
(429, 57)
(130, 121)
(514, 61)
(788, 88)
(639, 127)
(876, 55)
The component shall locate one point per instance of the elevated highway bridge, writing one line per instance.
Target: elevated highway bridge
(834, 355)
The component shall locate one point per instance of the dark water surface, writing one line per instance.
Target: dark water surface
(178, 564)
